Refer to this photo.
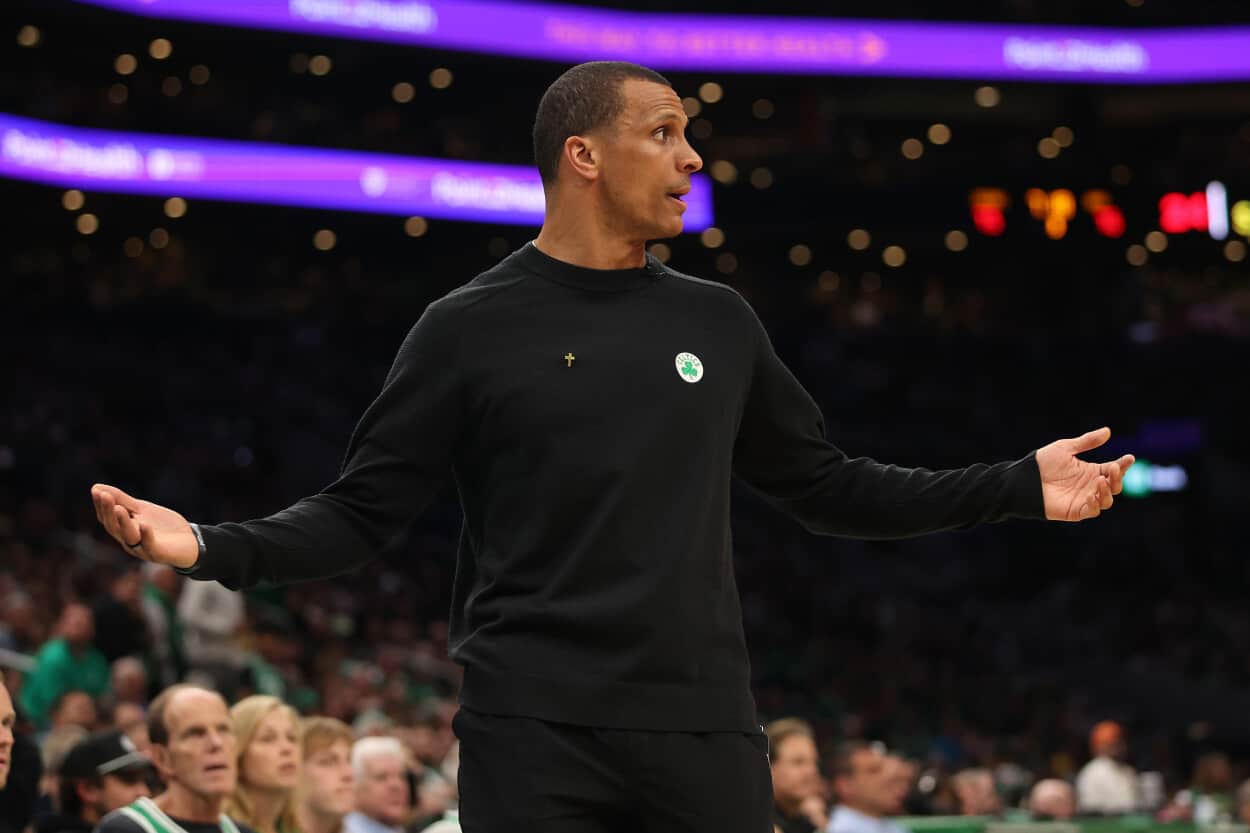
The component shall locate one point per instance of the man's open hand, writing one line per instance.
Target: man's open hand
(1072, 489)
(145, 530)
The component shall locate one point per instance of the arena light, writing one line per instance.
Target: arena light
(569, 34)
(139, 163)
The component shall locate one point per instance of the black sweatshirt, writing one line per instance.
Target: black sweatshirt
(592, 420)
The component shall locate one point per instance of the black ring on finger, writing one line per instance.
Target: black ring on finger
(137, 544)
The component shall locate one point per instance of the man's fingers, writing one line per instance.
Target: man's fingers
(118, 496)
(129, 532)
(1089, 440)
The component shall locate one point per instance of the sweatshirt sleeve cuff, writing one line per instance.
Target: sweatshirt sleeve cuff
(1025, 489)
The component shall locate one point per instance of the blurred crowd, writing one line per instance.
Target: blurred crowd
(83, 749)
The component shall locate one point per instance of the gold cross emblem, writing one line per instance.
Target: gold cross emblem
(569, 358)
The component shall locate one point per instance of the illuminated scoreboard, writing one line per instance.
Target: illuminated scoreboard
(1207, 211)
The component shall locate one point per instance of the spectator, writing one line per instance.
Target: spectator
(8, 717)
(102, 773)
(74, 708)
(160, 599)
(900, 775)
(327, 788)
(53, 749)
(19, 627)
(1052, 800)
(120, 626)
(20, 770)
(129, 681)
(1106, 785)
(266, 732)
(975, 793)
(133, 720)
(865, 798)
(1210, 790)
(211, 616)
(795, 774)
(67, 663)
(193, 748)
(1242, 809)
(383, 797)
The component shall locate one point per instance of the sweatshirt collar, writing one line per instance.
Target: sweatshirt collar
(594, 280)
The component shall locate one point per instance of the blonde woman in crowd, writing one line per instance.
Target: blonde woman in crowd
(327, 785)
(267, 739)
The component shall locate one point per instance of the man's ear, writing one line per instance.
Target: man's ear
(161, 759)
(583, 155)
(87, 791)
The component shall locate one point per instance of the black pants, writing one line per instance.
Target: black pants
(519, 774)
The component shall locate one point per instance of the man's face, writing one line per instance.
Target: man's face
(382, 791)
(796, 774)
(75, 709)
(898, 775)
(78, 626)
(866, 787)
(645, 161)
(328, 784)
(7, 718)
(200, 755)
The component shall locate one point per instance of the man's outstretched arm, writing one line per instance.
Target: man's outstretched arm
(398, 456)
(782, 451)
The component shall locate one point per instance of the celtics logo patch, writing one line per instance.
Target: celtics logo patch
(689, 368)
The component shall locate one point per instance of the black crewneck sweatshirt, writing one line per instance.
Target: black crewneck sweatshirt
(592, 420)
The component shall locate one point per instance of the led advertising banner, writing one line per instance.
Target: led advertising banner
(140, 163)
(746, 44)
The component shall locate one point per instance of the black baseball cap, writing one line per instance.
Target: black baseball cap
(103, 753)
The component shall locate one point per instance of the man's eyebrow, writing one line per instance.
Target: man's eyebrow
(668, 112)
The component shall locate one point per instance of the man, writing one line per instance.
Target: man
(383, 797)
(593, 404)
(866, 795)
(69, 662)
(129, 680)
(192, 746)
(102, 773)
(1106, 785)
(20, 770)
(976, 792)
(8, 718)
(73, 708)
(795, 774)
(1052, 800)
(327, 787)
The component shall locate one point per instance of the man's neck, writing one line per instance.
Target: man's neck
(577, 235)
(181, 803)
(314, 822)
(266, 806)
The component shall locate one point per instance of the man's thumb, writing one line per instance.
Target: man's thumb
(1090, 440)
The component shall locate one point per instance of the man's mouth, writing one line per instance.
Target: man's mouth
(679, 196)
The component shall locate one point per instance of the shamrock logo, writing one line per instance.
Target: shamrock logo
(689, 367)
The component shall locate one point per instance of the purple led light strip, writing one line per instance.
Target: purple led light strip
(746, 44)
(140, 163)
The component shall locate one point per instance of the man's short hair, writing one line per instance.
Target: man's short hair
(585, 98)
(158, 729)
(318, 733)
(784, 728)
(842, 763)
(366, 749)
